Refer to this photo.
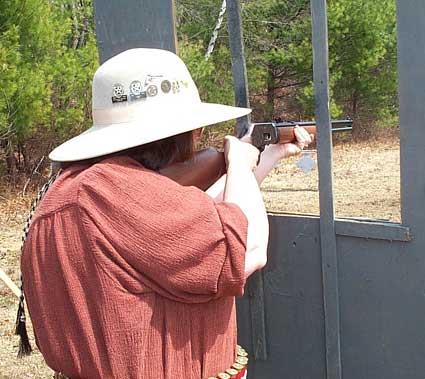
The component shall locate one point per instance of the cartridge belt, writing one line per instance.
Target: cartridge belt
(238, 369)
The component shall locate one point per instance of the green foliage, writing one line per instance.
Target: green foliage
(47, 59)
(9, 61)
(363, 57)
(213, 77)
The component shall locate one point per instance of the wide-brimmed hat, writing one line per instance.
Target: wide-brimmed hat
(141, 96)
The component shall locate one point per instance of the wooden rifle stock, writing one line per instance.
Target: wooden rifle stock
(202, 171)
(208, 165)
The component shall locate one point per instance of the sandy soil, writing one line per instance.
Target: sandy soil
(366, 185)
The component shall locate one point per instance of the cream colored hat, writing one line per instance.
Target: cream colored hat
(141, 96)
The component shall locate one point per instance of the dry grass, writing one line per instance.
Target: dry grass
(13, 210)
(366, 184)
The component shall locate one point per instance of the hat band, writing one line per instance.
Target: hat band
(124, 112)
(115, 115)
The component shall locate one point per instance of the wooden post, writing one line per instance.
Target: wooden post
(127, 24)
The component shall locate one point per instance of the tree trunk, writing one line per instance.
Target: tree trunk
(10, 159)
(354, 104)
(76, 36)
(357, 129)
(82, 39)
(270, 94)
(26, 164)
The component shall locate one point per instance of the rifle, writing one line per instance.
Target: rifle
(208, 165)
(267, 133)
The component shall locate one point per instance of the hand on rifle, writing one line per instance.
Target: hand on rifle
(238, 153)
(279, 151)
(285, 150)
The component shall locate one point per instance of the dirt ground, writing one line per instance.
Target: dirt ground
(13, 211)
(366, 182)
(366, 185)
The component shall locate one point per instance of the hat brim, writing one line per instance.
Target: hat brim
(106, 139)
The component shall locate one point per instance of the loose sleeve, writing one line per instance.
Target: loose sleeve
(182, 244)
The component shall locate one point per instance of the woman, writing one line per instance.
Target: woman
(127, 273)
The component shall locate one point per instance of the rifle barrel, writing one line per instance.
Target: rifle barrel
(341, 124)
(343, 129)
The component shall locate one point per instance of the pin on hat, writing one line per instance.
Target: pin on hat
(118, 95)
(166, 86)
(136, 91)
(138, 98)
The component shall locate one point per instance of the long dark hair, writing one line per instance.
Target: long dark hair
(155, 155)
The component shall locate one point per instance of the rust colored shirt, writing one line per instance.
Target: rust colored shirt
(130, 275)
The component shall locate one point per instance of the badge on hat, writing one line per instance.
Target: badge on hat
(118, 94)
(152, 90)
(136, 91)
(176, 86)
(166, 86)
(151, 78)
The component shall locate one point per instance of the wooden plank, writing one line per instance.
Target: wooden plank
(411, 59)
(257, 311)
(127, 24)
(327, 225)
(367, 228)
(372, 230)
(240, 78)
(10, 284)
(240, 84)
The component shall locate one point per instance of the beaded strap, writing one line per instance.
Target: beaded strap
(20, 328)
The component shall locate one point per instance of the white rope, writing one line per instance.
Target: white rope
(21, 329)
(41, 193)
(214, 36)
(9, 283)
